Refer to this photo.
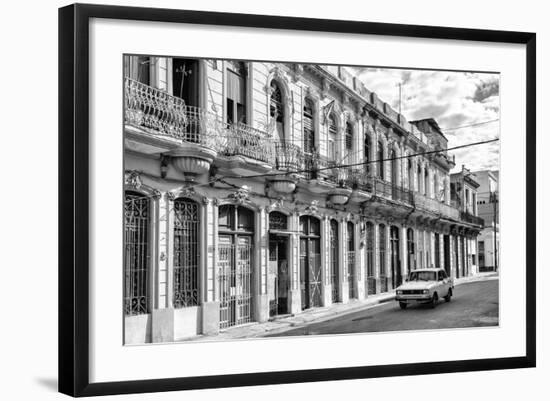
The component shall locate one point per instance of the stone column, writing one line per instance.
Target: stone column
(325, 235)
(360, 268)
(295, 295)
(262, 242)
(376, 255)
(211, 304)
(388, 257)
(403, 251)
(343, 261)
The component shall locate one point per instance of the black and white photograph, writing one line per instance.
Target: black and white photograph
(272, 199)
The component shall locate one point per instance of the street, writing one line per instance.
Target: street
(473, 305)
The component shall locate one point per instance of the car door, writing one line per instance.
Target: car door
(445, 283)
(441, 283)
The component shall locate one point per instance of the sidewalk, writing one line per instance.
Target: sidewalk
(284, 323)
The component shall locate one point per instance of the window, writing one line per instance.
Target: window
(138, 68)
(185, 80)
(276, 110)
(236, 93)
(426, 181)
(309, 128)
(411, 174)
(380, 160)
(332, 137)
(349, 141)
(277, 221)
(186, 253)
(394, 168)
(419, 178)
(367, 158)
(136, 253)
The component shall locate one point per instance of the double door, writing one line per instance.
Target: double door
(310, 272)
(278, 275)
(235, 279)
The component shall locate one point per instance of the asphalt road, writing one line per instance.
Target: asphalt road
(473, 305)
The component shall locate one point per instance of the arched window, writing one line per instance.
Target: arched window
(332, 137)
(367, 155)
(136, 253)
(309, 127)
(349, 142)
(380, 160)
(236, 92)
(277, 110)
(186, 252)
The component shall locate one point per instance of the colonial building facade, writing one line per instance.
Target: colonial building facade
(257, 189)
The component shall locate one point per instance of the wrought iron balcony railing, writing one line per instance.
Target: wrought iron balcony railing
(288, 157)
(394, 192)
(246, 141)
(167, 115)
(470, 218)
(435, 206)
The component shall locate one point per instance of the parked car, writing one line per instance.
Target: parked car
(425, 286)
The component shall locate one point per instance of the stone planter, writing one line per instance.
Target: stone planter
(192, 160)
(339, 196)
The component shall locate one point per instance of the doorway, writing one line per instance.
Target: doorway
(278, 275)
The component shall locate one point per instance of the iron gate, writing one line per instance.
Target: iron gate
(136, 253)
(351, 261)
(235, 279)
(394, 257)
(186, 253)
(333, 260)
(310, 272)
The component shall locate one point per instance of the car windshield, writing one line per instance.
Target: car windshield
(422, 276)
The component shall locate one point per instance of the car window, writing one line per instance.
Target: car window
(422, 276)
(440, 275)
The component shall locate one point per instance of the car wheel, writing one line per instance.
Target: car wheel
(434, 300)
(449, 295)
(403, 305)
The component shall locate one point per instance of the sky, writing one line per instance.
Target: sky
(453, 99)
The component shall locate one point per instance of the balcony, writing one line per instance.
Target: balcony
(435, 206)
(393, 192)
(470, 218)
(243, 140)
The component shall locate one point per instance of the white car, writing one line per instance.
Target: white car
(425, 286)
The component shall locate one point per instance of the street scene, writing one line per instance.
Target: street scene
(264, 198)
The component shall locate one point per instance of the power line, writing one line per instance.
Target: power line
(365, 162)
(470, 125)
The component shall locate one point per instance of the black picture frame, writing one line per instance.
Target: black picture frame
(74, 201)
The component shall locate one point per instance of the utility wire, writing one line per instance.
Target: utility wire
(365, 162)
(470, 125)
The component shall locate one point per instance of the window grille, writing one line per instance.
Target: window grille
(136, 255)
(278, 221)
(333, 258)
(186, 253)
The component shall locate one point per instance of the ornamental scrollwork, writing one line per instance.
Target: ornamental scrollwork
(241, 195)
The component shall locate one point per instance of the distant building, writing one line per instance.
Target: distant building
(464, 195)
(238, 206)
(488, 207)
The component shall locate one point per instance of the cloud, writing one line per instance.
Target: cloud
(453, 99)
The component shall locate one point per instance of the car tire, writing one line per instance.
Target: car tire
(449, 295)
(435, 298)
(403, 305)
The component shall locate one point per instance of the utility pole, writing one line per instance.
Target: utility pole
(494, 200)
(400, 84)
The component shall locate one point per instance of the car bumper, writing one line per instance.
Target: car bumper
(414, 298)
